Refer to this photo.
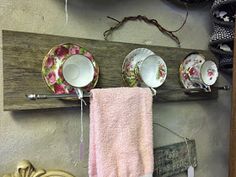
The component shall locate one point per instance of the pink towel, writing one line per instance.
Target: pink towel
(121, 143)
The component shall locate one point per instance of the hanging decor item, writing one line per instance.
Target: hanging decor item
(223, 12)
(131, 64)
(142, 67)
(71, 69)
(196, 72)
(52, 67)
(221, 40)
(169, 33)
(174, 159)
(193, 1)
(78, 72)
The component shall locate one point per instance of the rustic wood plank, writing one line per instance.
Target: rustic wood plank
(22, 59)
(232, 154)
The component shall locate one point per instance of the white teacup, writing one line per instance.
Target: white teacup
(153, 71)
(78, 71)
(204, 74)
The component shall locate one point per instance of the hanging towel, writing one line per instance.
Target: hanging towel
(121, 139)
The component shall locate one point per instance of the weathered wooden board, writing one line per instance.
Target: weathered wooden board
(174, 159)
(22, 59)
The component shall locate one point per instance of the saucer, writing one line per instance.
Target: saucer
(131, 64)
(188, 62)
(193, 59)
(52, 68)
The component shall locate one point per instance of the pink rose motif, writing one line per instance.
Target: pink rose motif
(162, 73)
(59, 89)
(50, 62)
(210, 72)
(67, 84)
(128, 66)
(61, 51)
(51, 77)
(60, 74)
(74, 50)
(193, 71)
(72, 91)
(95, 73)
(88, 55)
(185, 76)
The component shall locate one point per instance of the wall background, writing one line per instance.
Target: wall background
(50, 138)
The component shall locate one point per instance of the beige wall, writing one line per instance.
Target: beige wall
(50, 138)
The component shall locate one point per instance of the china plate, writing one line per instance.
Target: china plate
(131, 64)
(52, 68)
(190, 60)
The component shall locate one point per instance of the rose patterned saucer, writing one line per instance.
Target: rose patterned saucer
(52, 68)
(186, 69)
(131, 64)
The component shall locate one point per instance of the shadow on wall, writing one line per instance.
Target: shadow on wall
(101, 4)
(93, 4)
(180, 4)
(88, 8)
(28, 115)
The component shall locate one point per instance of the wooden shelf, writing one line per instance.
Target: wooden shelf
(22, 59)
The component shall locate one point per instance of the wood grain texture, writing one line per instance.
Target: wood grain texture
(22, 59)
(232, 154)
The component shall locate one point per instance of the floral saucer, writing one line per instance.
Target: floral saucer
(52, 68)
(131, 64)
(185, 67)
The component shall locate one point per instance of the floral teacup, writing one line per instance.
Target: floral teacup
(53, 63)
(204, 74)
(78, 71)
(153, 71)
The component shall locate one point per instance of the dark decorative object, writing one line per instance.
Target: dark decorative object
(174, 159)
(221, 41)
(190, 2)
(193, 1)
(154, 22)
(223, 12)
(232, 151)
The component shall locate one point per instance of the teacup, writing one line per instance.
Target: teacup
(153, 71)
(204, 74)
(78, 71)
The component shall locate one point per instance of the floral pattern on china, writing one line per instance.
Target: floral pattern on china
(131, 65)
(186, 70)
(52, 67)
(195, 72)
(211, 73)
(161, 73)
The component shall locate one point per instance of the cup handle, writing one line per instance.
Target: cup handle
(79, 93)
(154, 92)
(206, 88)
